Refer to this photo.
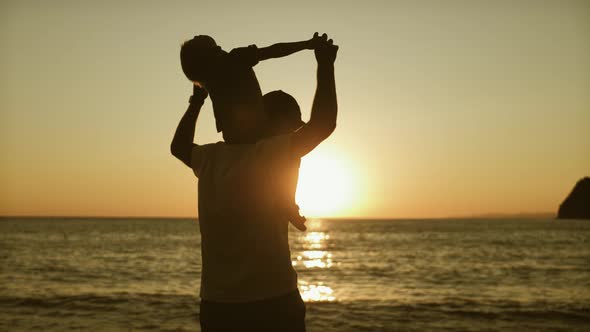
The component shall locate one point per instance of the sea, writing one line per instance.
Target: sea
(354, 275)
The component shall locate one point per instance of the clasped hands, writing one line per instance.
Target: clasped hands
(324, 48)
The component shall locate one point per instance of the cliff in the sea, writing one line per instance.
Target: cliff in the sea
(577, 203)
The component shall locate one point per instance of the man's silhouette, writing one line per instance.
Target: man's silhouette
(247, 281)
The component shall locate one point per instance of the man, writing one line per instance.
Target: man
(248, 282)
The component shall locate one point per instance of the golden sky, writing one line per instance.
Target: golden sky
(465, 108)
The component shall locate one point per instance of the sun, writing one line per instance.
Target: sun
(326, 186)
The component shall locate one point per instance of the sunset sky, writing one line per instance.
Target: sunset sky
(466, 108)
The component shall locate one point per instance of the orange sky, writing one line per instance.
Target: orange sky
(444, 110)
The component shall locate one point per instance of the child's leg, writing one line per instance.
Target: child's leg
(293, 214)
(295, 218)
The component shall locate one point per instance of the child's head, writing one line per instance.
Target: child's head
(284, 114)
(197, 57)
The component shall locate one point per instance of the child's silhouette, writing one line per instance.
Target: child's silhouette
(232, 83)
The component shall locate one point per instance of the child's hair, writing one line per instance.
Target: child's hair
(195, 57)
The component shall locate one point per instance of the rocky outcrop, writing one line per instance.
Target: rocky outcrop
(577, 203)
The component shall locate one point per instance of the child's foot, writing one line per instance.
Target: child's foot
(299, 222)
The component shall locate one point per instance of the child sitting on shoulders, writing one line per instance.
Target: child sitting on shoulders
(232, 84)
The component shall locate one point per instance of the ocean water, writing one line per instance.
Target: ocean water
(355, 275)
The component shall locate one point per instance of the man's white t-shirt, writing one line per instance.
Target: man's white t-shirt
(244, 242)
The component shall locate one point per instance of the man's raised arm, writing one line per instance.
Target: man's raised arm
(325, 107)
(182, 143)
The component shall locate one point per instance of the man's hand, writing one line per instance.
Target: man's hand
(199, 91)
(316, 41)
(326, 52)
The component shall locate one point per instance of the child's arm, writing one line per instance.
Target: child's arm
(283, 49)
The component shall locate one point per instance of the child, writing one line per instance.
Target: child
(232, 83)
(284, 117)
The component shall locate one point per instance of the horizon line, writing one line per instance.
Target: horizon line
(521, 215)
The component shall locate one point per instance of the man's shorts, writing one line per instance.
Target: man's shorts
(282, 313)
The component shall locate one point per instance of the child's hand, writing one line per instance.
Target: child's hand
(326, 52)
(316, 41)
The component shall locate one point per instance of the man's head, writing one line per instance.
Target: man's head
(198, 57)
(284, 114)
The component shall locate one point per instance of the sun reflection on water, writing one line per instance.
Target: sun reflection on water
(314, 255)
(315, 292)
(314, 258)
(314, 240)
(316, 237)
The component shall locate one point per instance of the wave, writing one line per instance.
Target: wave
(98, 301)
(466, 307)
(100, 312)
(457, 306)
(157, 312)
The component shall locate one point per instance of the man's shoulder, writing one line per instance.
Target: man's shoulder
(222, 152)
(202, 154)
(208, 146)
(276, 147)
(274, 140)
